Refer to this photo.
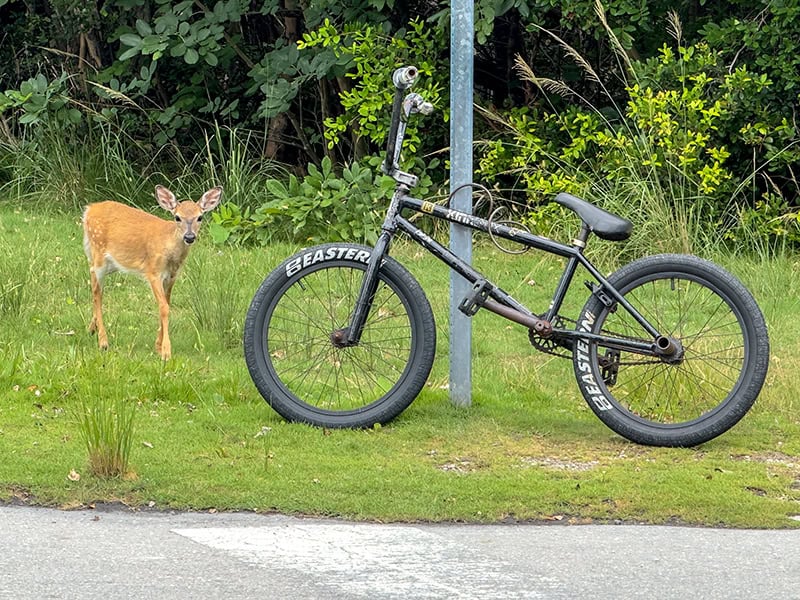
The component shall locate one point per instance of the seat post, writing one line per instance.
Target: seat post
(583, 235)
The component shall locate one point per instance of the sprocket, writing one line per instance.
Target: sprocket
(552, 344)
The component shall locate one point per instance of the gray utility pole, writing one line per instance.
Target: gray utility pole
(462, 32)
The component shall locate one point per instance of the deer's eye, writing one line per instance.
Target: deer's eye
(200, 218)
(177, 219)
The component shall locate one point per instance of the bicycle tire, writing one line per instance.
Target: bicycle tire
(303, 375)
(725, 340)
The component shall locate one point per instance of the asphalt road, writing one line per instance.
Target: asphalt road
(116, 553)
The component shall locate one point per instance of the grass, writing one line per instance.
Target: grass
(527, 449)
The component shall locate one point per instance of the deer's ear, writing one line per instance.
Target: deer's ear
(211, 199)
(166, 199)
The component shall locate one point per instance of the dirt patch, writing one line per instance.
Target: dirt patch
(558, 464)
(460, 465)
(770, 458)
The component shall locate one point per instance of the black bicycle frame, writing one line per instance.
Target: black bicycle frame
(504, 305)
(486, 294)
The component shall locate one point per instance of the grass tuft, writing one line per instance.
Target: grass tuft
(106, 426)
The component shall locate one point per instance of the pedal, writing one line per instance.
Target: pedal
(609, 367)
(477, 298)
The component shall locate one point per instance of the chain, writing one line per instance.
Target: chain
(563, 348)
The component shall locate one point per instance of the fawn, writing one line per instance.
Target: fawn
(117, 237)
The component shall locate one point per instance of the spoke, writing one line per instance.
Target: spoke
(713, 344)
(311, 367)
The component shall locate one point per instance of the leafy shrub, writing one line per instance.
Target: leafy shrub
(321, 206)
(326, 207)
(39, 100)
(763, 39)
(670, 137)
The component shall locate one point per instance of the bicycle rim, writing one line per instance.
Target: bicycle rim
(715, 345)
(311, 368)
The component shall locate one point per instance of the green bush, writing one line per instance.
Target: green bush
(672, 136)
(322, 206)
(764, 38)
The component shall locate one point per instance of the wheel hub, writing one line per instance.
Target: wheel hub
(339, 338)
(670, 350)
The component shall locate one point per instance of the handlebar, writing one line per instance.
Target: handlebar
(403, 106)
(404, 77)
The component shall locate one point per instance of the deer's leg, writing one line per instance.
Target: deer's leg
(168, 283)
(96, 324)
(163, 345)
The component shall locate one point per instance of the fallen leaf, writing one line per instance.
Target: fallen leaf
(74, 475)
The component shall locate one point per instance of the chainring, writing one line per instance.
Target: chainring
(553, 345)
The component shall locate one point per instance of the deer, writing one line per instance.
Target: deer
(117, 237)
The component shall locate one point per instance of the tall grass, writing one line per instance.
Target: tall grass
(60, 167)
(106, 426)
(235, 157)
(55, 167)
(215, 296)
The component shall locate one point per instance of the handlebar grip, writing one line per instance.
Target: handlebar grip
(404, 77)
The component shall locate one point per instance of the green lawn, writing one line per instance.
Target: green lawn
(527, 448)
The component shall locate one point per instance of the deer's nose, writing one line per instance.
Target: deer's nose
(189, 238)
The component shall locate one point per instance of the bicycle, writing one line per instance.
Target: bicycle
(670, 350)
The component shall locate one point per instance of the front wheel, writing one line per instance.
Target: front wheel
(293, 351)
(674, 402)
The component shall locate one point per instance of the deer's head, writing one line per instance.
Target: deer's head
(187, 214)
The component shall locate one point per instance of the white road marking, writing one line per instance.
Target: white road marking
(386, 561)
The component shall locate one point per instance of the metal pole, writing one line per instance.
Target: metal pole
(462, 31)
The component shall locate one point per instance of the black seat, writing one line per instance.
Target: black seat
(602, 223)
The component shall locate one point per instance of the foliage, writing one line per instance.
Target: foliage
(673, 133)
(374, 55)
(40, 100)
(767, 42)
(298, 82)
(320, 206)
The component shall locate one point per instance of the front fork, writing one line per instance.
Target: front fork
(351, 335)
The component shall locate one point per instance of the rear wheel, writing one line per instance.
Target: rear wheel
(684, 400)
(292, 339)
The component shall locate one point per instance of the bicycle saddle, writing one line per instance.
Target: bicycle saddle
(602, 223)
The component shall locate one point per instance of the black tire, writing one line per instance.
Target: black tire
(724, 336)
(303, 375)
